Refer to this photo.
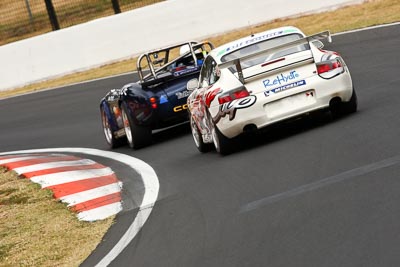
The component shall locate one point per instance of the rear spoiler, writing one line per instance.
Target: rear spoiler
(236, 62)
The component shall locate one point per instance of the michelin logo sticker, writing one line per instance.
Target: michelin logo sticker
(285, 87)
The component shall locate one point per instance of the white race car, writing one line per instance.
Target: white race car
(262, 79)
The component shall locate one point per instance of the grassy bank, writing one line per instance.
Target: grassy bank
(17, 23)
(38, 230)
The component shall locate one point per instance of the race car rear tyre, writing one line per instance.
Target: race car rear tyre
(197, 137)
(351, 106)
(137, 136)
(344, 108)
(223, 145)
(108, 132)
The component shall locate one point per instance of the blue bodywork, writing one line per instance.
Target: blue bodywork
(157, 101)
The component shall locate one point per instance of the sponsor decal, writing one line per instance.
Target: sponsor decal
(182, 94)
(285, 87)
(255, 39)
(163, 99)
(231, 107)
(281, 79)
(180, 108)
(249, 42)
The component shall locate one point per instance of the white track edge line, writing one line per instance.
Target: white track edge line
(367, 28)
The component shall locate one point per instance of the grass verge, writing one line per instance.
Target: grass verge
(38, 230)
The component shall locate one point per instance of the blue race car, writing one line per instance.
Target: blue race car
(158, 100)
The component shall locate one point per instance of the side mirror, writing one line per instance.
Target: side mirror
(192, 84)
(318, 44)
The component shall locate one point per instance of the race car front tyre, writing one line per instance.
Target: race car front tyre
(112, 141)
(197, 137)
(137, 136)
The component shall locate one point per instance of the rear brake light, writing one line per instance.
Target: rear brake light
(224, 99)
(330, 68)
(153, 102)
(236, 94)
(325, 67)
(241, 94)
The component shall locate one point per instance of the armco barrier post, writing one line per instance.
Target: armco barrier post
(52, 15)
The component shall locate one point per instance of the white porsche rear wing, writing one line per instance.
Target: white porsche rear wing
(236, 62)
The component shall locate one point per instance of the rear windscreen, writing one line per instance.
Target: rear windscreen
(267, 44)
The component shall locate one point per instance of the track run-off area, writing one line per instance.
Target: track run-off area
(315, 192)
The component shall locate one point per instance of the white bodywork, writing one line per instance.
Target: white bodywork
(282, 81)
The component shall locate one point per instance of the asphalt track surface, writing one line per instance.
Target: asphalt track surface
(314, 192)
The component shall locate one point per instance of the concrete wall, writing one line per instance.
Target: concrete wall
(127, 34)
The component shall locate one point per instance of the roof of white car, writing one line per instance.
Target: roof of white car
(225, 49)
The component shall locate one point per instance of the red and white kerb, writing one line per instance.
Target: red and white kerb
(89, 188)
